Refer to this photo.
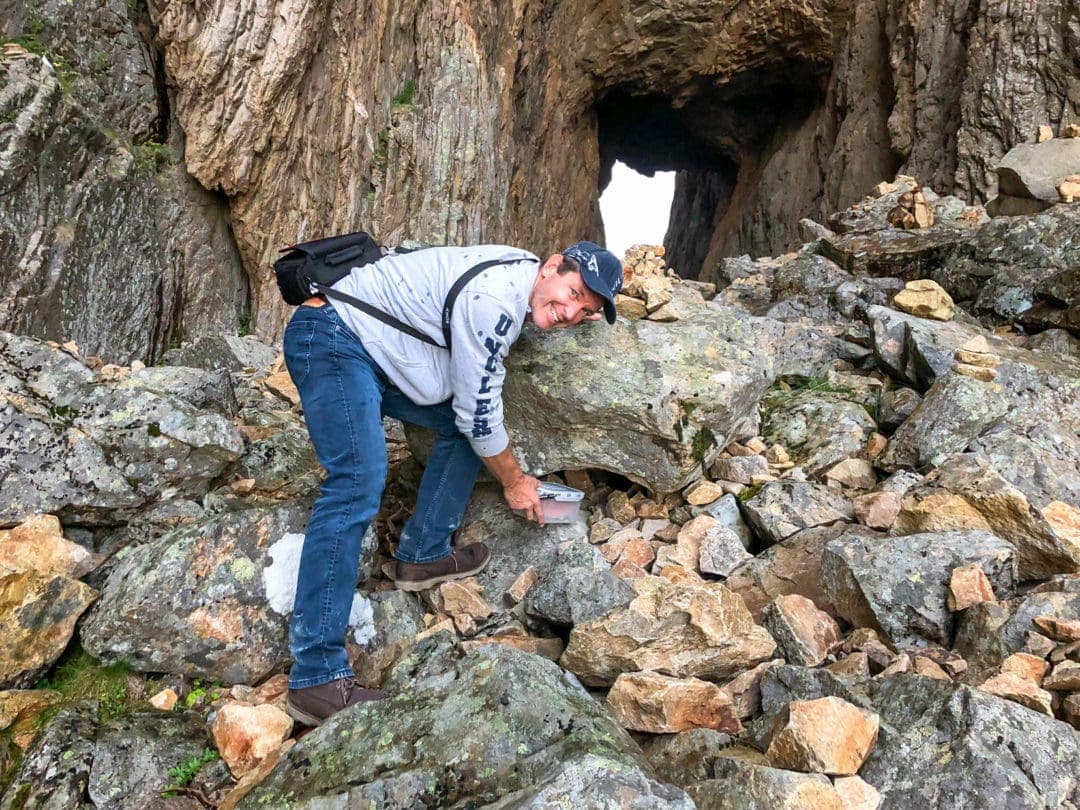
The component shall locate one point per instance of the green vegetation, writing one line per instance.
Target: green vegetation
(405, 97)
(79, 676)
(382, 147)
(31, 37)
(703, 440)
(748, 493)
(201, 693)
(187, 770)
(243, 325)
(149, 156)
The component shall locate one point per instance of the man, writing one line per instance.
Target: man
(352, 369)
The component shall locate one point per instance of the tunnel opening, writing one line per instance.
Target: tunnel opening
(713, 139)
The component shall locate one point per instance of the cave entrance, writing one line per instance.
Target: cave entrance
(636, 208)
(644, 134)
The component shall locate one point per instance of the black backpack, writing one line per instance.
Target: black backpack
(312, 268)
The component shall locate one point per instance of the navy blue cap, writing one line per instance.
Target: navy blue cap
(601, 271)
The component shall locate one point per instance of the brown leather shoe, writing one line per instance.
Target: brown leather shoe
(314, 704)
(463, 561)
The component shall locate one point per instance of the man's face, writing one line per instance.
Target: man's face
(561, 300)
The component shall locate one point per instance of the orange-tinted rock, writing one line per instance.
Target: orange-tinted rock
(282, 385)
(244, 735)
(658, 704)
(624, 569)
(464, 596)
(968, 585)
(828, 735)
(803, 633)
(1013, 687)
(744, 690)
(856, 473)
(1026, 666)
(20, 707)
(856, 794)
(703, 492)
(526, 579)
(38, 545)
(1066, 630)
(1064, 678)
(164, 700)
(857, 664)
(878, 510)
(930, 668)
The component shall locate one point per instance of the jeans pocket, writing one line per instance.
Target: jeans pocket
(297, 343)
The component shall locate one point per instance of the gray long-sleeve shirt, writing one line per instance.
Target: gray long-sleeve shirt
(487, 319)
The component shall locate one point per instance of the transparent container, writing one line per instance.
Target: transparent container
(559, 504)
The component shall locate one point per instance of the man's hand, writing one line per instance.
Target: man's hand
(519, 489)
(521, 494)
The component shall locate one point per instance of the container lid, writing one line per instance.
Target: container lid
(558, 492)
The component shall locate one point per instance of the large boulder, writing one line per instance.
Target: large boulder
(577, 588)
(941, 740)
(898, 585)
(95, 450)
(200, 601)
(463, 729)
(662, 398)
(1035, 170)
(782, 508)
(817, 428)
(698, 629)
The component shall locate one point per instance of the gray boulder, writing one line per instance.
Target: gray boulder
(817, 428)
(1035, 170)
(397, 617)
(661, 399)
(577, 588)
(55, 771)
(685, 757)
(462, 729)
(898, 585)
(782, 508)
(199, 388)
(750, 784)
(198, 602)
(944, 744)
(955, 411)
(228, 352)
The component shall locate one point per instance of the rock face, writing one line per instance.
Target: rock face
(697, 629)
(470, 728)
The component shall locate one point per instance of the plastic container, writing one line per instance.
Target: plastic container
(560, 504)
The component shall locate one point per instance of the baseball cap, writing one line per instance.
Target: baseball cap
(600, 270)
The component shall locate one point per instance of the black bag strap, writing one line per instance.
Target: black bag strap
(448, 305)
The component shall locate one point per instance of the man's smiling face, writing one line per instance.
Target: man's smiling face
(559, 299)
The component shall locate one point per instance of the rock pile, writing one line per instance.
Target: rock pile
(653, 291)
(834, 563)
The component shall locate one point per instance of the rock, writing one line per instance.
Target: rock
(899, 584)
(464, 597)
(1012, 686)
(1065, 677)
(245, 735)
(92, 451)
(226, 352)
(658, 704)
(953, 413)
(1062, 630)
(549, 648)
(688, 629)
(38, 545)
(746, 785)
(396, 618)
(709, 400)
(165, 700)
(939, 740)
(791, 566)
(721, 552)
(1044, 133)
(475, 727)
(726, 511)
(968, 586)
(818, 429)
(633, 309)
(686, 757)
(37, 619)
(744, 689)
(804, 634)
(912, 211)
(1026, 666)
(877, 510)
(132, 756)
(620, 508)
(896, 406)
(979, 639)
(855, 794)
(827, 735)
(577, 588)
(520, 587)
(200, 601)
(966, 492)
(21, 711)
(782, 508)
(1034, 171)
(283, 464)
(854, 473)
(703, 492)
(925, 299)
(739, 469)
(1070, 710)
(56, 768)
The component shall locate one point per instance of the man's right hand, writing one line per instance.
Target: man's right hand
(522, 494)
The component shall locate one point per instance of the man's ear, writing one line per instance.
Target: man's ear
(551, 265)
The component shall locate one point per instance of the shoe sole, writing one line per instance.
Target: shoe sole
(301, 716)
(424, 584)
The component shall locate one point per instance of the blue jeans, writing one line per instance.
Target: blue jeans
(345, 395)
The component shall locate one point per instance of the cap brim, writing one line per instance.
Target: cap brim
(609, 302)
